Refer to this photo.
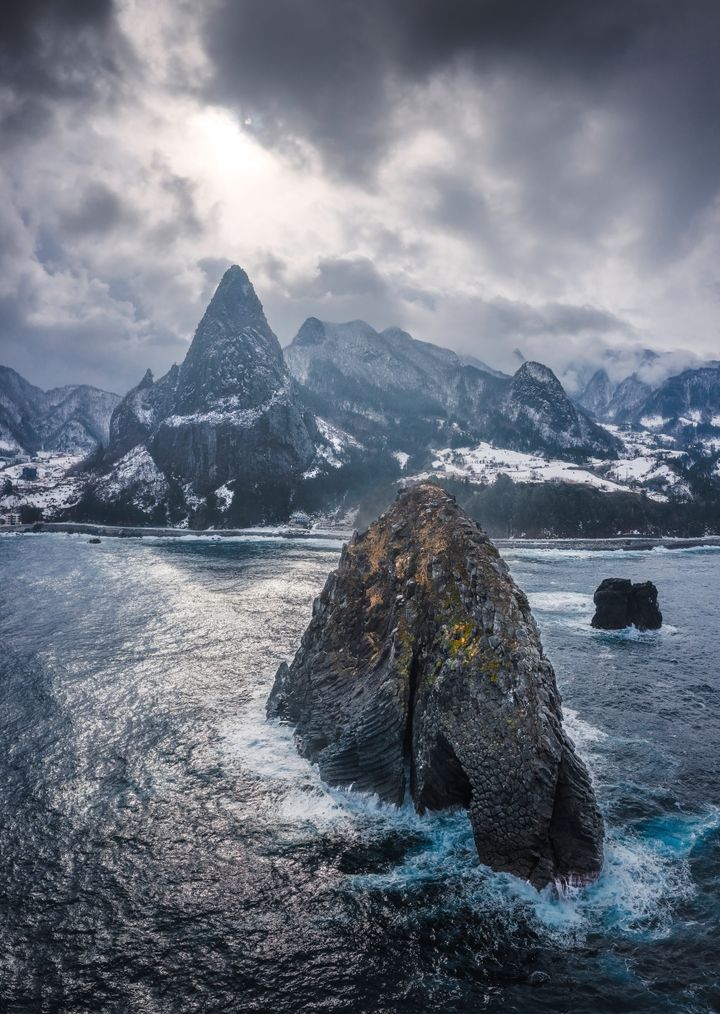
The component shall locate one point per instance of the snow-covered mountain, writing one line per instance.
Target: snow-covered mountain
(70, 420)
(413, 394)
(228, 422)
(240, 433)
(386, 385)
(628, 399)
(596, 396)
(234, 409)
(140, 411)
(614, 402)
(544, 418)
(685, 404)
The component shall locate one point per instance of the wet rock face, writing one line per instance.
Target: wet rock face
(422, 674)
(619, 603)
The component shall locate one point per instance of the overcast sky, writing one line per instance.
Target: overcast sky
(491, 175)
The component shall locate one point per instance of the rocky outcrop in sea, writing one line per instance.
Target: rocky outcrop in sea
(619, 603)
(422, 676)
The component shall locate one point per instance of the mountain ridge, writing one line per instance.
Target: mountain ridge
(74, 418)
(365, 378)
(242, 432)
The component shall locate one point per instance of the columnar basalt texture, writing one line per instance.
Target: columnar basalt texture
(619, 603)
(422, 673)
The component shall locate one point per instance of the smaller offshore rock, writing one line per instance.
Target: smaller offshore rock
(619, 603)
(422, 676)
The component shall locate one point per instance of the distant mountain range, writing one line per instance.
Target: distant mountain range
(686, 405)
(72, 419)
(242, 432)
(388, 387)
(263, 431)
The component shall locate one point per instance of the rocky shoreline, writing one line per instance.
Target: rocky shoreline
(139, 532)
(627, 543)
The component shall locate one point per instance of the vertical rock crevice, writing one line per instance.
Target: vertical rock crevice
(408, 742)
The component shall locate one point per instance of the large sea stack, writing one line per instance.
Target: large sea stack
(619, 603)
(422, 674)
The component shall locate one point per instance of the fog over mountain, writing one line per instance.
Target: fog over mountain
(485, 176)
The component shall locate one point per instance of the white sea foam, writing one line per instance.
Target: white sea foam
(583, 734)
(635, 894)
(554, 553)
(686, 549)
(561, 602)
(643, 879)
(551, 553)
(633, 634)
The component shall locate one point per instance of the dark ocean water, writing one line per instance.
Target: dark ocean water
(163, 849)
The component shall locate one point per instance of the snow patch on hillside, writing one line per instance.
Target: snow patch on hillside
(229, 410)
(654, 422)
(135, 471)
(483, 463)
(224, 497)
(646, 462)
(334, 451)
(52, 491)
(645, 466)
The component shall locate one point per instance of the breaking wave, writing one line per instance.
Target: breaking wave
(645, 875)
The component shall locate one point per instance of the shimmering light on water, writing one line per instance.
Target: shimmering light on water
(164, 848)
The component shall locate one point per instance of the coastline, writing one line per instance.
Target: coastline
(142, 531)
(629, 543)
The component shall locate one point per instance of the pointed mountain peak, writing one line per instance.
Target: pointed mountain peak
(316, 332)
(235, 295)
(235, 358)
(536, 372)
(397, 332)
(312, 332)
(147, 381)
(235, 272)
(597, 394)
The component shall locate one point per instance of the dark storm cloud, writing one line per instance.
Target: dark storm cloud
(348, 276)
(467, 147)
(513, 318)
(183, 190)
(57, 47)
(97, 211)
(329, 71)
(53, 51)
